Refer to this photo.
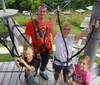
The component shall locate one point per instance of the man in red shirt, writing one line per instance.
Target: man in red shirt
(39, 30)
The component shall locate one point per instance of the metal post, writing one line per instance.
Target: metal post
(11, 45)
(3, 6)
(92, 46)
(15, 31)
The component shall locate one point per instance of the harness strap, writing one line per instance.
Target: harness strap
(40, 34)
(55, 59)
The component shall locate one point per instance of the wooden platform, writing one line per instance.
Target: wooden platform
(12, 78)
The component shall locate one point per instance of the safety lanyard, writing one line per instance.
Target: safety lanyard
(63, 39)
(40, 34)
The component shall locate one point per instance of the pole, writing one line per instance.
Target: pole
(92, 46)
(15, 31)
(3, 6)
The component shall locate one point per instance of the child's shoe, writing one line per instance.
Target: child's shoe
(44, 76)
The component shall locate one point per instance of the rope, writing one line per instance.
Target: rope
(85, 44)
(63, 37)
(62, 34)
(20, 31)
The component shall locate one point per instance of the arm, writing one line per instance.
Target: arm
(26, 65)
(16, 62)
(51, 50)
(53, 22)
(82, 34)
(71, 75)
(87, 83)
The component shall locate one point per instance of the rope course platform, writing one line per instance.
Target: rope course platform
(12, 78)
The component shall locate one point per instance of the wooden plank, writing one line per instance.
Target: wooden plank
(21, 78)
(2, 74)
(96, 81)
(95, 72)
(94, 66)
(13, 79)
(42, 81)
(51, 80)
(50, 74)
(8, 74)
(14, 76)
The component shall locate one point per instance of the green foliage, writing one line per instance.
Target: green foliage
(74, 18)
(32, 4)
(26, 4)
(22, 20)
(5, 57)
(9, 3)
(97, 59)
(2, 27)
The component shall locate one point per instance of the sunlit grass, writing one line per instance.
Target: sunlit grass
(5, 57)
(75, 19)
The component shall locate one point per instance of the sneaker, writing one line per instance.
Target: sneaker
(44, 76)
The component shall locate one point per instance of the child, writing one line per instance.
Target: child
(81, 74)
(61, 55)
(30, 62)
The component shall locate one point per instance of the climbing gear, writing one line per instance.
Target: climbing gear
(30, 77)
(42, 36)
(62, 63)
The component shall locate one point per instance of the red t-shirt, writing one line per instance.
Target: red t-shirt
(37, 45)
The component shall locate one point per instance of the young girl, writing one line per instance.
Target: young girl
(61, 55)
(81, 74)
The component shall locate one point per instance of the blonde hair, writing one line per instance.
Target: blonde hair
(29, 48)
(85, 57)
(66, 24)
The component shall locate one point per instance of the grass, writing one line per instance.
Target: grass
(75, 19)
(2, 27)
(97, 59)
(8, 57)
(5, 57)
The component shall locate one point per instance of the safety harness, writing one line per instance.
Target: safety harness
(42, 36)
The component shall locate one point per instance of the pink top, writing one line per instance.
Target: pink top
(81, 77)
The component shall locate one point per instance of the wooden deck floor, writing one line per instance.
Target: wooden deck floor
(12, 78)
